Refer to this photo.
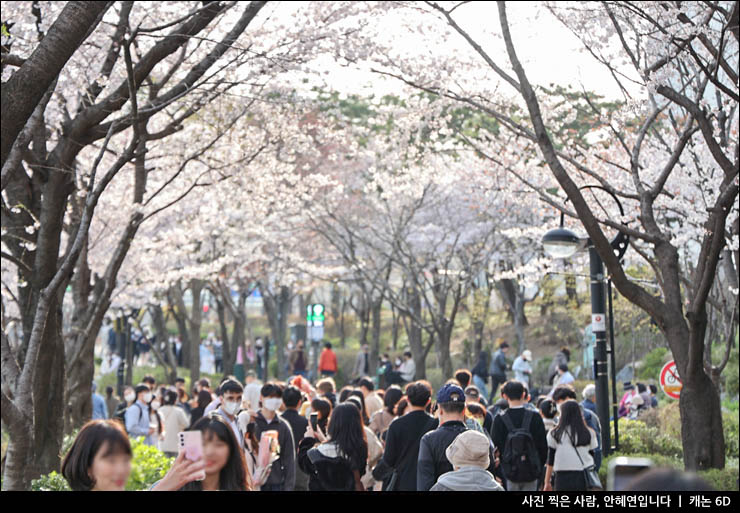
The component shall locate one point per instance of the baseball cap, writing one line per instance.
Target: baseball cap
(451, 393)
(527, 355)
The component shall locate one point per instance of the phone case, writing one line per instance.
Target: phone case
(191, 443)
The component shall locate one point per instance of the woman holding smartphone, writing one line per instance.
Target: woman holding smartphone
(100, 460)
(340, 459)
(225, 468)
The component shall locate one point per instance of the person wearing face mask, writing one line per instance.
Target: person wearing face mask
(137, 416)
(129, 396)
(156, 421)
(231, 402)
(175, 421)
(282, 474)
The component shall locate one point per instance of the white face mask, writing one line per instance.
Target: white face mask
(272, 403)
(230, 407)
(129, 397)
(147, 397)
(155, 405)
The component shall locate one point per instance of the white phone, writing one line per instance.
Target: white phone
(191, 443)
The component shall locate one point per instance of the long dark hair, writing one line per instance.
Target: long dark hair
(347, 431)
(233, 476)
(571, 420)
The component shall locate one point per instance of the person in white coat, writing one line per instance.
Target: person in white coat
(522, 367)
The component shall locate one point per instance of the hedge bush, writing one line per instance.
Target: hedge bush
(721, 479)
(637, 437)
(148, 466)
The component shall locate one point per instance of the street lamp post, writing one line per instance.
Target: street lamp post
(563, 243)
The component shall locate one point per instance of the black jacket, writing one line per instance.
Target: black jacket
(402, 449)
(297, 423)
(433, 461)
(326, 468)
(283, 470)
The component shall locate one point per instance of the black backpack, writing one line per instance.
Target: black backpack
(520, 461)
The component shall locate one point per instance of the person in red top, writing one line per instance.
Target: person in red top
(328, 361)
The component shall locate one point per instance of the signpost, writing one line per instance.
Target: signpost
(670, 382)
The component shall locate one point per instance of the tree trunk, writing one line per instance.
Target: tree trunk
(196, 317)
(701, 424)
(221, 309)
(168, 360)
(394, 328)
(519, 321)
(277, 308)
(443, 349)
(375, 345)
(49, 397)
(342, 329)
(177, 307)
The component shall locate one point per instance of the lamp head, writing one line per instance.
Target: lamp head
(561, 243)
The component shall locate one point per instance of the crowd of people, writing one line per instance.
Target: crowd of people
(381, 434)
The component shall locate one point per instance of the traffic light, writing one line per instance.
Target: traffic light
(315, 315)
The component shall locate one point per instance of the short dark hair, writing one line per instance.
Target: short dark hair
(327, 345)
(141, 387)
(641, 388)
(204, 382)
(476, 409)
(452, 407)
(464, 377)
(563, 367)
(653, 389)
(178, 379)
(563, 392)
(91, 438)
(503, 345)
(270, 389)
(408, 353)
(291, 397)
(109, 391)
(230, 385)
(149, 379)
(418, 393)
(367, 383)
(514, 390)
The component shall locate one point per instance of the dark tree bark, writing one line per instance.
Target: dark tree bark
(24, 90)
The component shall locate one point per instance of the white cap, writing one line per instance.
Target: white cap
(527, 355)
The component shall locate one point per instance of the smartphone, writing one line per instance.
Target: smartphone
(191, 443)
(622, 470)
(314, 418)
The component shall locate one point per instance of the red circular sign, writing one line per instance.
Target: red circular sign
(670, 382)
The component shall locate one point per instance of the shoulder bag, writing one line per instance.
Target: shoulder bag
(593, 483)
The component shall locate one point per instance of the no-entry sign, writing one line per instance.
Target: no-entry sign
(669, 380)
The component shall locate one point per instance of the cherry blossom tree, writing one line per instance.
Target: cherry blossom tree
(669, 152)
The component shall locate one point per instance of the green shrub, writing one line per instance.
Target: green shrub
(721, 479)
(148, 466)
(637, 437)
(731, 429)
(53, 482)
